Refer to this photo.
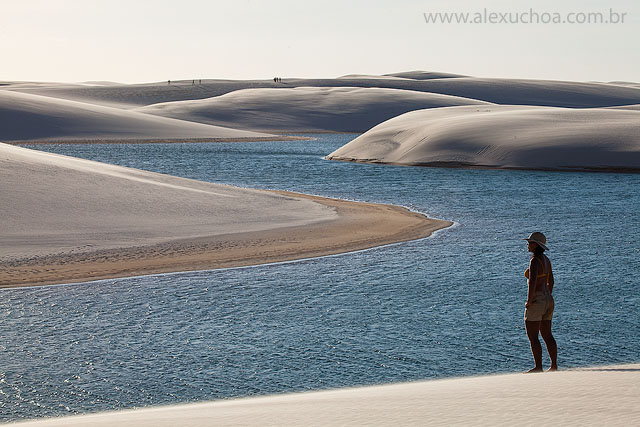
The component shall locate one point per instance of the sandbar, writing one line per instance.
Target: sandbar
(357, 226)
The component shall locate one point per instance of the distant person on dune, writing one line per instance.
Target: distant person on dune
(540, 304)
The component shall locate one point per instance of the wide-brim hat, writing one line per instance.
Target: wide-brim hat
(538, 238)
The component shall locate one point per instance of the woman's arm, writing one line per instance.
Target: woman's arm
(551, 282)
(531, 282)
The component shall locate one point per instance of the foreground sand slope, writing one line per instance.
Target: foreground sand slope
(68, 220)
(503, 136)
(341, 109)
(52, 203)
(594, 396)
(28, 117)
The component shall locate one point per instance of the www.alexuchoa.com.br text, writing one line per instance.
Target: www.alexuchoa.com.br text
(530, 16)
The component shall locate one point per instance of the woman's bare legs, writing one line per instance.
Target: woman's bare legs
(533, 327)
(550, 342)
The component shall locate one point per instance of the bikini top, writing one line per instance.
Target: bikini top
(544, 274)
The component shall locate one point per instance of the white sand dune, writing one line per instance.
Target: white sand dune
(127, 96)
(424, 75)
(594, 396)
(100, 83)
(369, 76)
(343, 109)
(33, 117)
(635, 107)
(494, 90)
(18, 84)
(52, 204)
(631, 84)
(502, 136)
(532, 92)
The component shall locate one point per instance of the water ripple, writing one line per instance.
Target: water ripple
(444, 306)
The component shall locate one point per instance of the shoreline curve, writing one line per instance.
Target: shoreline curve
(473, 166)
(358, 226)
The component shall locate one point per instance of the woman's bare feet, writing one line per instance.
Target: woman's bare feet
(552, 368)
(534, 370)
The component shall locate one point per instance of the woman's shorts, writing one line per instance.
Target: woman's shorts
(540, 309)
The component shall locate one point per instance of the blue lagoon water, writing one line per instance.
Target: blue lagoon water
(448, 305)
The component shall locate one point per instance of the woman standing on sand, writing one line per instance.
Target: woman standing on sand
(539, 306)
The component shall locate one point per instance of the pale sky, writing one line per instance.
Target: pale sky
(133, 41)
